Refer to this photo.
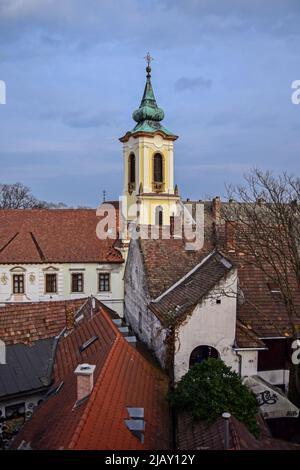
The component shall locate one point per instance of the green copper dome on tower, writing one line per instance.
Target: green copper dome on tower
(149, 115)
(148, 110)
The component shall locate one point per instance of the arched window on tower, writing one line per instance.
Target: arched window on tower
(159, 216)
(131, 172)
(158, 172)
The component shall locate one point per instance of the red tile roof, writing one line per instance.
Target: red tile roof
(173, 305)
(200, 435)
(262, 312)
(53, 236)
(30, 321)
(246, 338)
(167, 261)
(123, 377)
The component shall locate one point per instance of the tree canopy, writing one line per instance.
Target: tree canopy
(212, 388)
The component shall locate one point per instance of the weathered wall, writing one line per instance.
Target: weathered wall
(276, 377)
(136, 299)
(210, 324)
(249, 362)
(35, 283)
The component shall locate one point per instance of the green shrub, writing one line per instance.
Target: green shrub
(211, 388)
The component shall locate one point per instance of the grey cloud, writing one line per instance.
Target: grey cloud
(81, 119)
(86, 121)
(186, 83)
(87, 23)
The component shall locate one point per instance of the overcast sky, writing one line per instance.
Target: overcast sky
(74, 72)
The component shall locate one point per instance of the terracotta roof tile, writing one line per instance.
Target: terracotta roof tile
(167, 261)
(199, 435)
(27, 322)
(246, 338)
(122, 378)
(178, 300)
(53, 236)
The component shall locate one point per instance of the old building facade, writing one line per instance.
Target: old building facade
(57, 255)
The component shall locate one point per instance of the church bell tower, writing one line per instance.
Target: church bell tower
(149, 193)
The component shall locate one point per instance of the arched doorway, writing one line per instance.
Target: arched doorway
(201, 353)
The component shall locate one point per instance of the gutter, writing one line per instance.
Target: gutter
(250, 349)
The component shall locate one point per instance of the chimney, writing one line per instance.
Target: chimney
(230, 234)
(172, 225)
(69, 318)
(85, 380)
(226, 417)
(216, 209)
(261, 201)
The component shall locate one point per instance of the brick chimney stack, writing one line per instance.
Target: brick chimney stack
(69, 318)
(230, 234)
(216, 209)
(85, 380)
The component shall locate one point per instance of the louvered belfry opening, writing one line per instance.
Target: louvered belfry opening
(158, 168)
(132, 168)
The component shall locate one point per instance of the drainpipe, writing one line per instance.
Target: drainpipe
(240, 363)
(171, 334)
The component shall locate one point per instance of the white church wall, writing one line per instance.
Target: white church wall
(210, 324)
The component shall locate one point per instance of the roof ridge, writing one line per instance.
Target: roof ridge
(119, 342)
(189, 273)
(87, 410)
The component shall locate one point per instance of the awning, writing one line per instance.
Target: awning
(272, 402)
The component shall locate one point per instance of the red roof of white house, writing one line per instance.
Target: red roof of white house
(53, 236)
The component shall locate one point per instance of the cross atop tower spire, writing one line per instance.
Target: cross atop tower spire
(148, 59)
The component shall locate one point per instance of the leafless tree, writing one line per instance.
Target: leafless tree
(17, 196)
(264, 215)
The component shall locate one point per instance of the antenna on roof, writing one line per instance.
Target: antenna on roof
(104, 195)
